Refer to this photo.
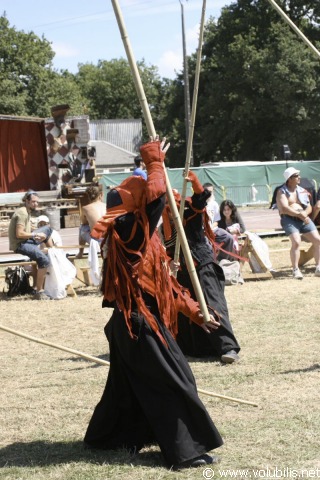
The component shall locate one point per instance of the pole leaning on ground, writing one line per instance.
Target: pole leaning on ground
(104, 362)
(294, 27)
(191, 125)
(152, 132)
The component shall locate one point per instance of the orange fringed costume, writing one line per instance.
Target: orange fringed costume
(124, 282)
(150, 395)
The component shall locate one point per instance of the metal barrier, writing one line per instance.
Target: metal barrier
(247, 195)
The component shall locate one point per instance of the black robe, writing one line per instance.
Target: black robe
(192, 339)
(150, 395)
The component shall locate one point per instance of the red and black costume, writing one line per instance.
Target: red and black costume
(150, 395)
(193, 340)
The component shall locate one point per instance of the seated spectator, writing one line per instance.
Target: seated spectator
(294, 206)
(44, 221)
(231, 221)
(222, 236)
(22, 240)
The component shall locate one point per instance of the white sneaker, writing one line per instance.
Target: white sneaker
(317, 272)
(297, 274)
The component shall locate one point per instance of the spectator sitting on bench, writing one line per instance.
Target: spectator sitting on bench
(22, 240)
(294, 206)
(231, 221)
(222, 236)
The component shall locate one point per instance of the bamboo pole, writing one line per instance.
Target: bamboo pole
(191, 126)
(294, 27)
(152, 132)
(103, 362)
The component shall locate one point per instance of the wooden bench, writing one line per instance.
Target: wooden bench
(306, 254)
(4, 264)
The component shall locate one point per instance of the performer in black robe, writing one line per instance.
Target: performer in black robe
(191, 339)
(150, 395)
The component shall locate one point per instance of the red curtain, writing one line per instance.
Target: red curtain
(23, 156)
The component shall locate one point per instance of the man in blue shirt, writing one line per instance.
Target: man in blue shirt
(139, 170)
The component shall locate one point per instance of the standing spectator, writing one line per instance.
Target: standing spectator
(150, 395)
(22, 240)
(222, 236)
(139, 170)
(96, 208)
(90, 214)
(231, 221)
(294, 207)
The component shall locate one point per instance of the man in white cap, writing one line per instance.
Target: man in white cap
(295, 209)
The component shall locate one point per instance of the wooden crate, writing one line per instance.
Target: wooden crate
(72, 220)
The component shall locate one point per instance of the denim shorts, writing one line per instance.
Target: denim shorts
(31, 249)
(84, 234)
(293, 224)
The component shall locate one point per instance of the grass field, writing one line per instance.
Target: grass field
(47, 396)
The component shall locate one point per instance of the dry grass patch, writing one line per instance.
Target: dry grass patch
(47, 396)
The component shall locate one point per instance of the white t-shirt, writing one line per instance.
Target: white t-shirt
(213, 210)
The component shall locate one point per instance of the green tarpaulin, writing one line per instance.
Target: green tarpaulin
(243, 183)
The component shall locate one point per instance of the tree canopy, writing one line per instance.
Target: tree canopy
(109, 90)
(259, 85)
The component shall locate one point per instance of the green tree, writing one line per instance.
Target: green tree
(109, 89)
(172, 120)
(51, 88)
(260, 86)
(28, 83)
(23, 58)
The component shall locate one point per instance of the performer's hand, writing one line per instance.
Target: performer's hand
(196, 184)
(163, 148)
(174, 266)
(213, 324)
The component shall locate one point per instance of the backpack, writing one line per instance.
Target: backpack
(231, 270)
(18, 282)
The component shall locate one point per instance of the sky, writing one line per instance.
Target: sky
(85, 32)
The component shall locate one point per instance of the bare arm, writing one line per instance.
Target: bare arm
(285, 209)
(22, 234)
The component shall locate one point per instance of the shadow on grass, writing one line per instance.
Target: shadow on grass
(312, 368)
(89, 363)
(42, 454)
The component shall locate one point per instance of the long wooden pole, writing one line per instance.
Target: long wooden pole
(294, 27)
(191, 126)
(185, 74)
(103, 362)
(152, 132)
